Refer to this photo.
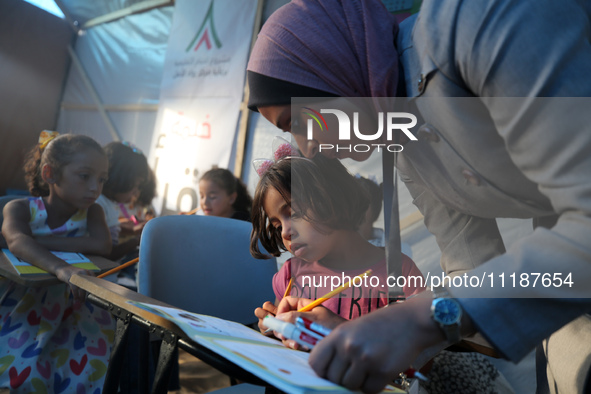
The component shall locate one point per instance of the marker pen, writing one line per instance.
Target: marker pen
(290, 331)
(413, 373)
(312, 326)
(307, 333)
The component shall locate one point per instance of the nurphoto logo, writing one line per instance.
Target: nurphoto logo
(390, 122)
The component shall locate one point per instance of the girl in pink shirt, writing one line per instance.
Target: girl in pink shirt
(313, 208)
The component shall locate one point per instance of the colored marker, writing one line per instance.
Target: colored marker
(290, 331)
(312, 326)
(307, 333)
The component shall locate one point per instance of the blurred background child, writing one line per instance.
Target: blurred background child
(65, 176)
(222, 194)
(128, 170)
(134, 215)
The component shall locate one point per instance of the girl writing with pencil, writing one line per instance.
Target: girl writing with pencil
(313, 210)
(51, 340)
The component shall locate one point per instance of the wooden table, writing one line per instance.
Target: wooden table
(113, 298)
(7, 270)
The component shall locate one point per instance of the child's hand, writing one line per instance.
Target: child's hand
(267, 309)
(126, 226)
(287, 310)
(130, 228)
(65, 273)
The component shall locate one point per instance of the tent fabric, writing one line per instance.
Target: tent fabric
(34, 64)
(124, 60)
(83, 11)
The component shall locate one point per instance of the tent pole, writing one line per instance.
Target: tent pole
(245, 112)
(73, 23)
(133, 9)
(94, 94)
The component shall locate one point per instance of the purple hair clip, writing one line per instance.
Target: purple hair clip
(281, 149)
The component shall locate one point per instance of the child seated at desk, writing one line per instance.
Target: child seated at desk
(134, 215)
(312, 208)
(128, 170)
(51, 340)
(222, 194)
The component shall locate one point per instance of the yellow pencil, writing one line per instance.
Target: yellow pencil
(336, 291)
(288, 290)
(117, 269)
(191, 212)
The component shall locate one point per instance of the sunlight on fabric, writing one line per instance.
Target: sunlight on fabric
(178, 145)
(49, 6)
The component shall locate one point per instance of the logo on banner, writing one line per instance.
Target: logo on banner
(391, 122)
(202, 37)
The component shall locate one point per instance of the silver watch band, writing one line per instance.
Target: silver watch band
(440, 292)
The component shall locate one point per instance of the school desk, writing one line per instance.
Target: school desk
(42, 280)
(113, 298)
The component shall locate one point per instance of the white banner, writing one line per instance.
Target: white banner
(200, 96)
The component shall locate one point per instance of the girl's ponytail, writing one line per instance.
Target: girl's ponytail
(243, 202)
(226, 180)
(37, 187)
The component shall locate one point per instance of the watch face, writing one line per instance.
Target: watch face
(446, 311)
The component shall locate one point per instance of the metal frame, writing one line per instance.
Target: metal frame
(122, 13)
(244, 111)
(171, 340)
(71, 21)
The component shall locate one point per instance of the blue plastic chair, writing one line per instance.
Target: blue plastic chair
(203, 264)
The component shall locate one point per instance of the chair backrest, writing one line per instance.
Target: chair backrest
(203, 264)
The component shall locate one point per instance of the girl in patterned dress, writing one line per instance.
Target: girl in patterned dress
(51, 340)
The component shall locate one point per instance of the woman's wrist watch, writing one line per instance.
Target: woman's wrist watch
(447, 312)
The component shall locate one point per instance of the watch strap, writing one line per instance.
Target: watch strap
(452, 332)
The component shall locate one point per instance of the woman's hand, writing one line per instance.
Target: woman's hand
(65, 273)
(369, 352)
(268, 309)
